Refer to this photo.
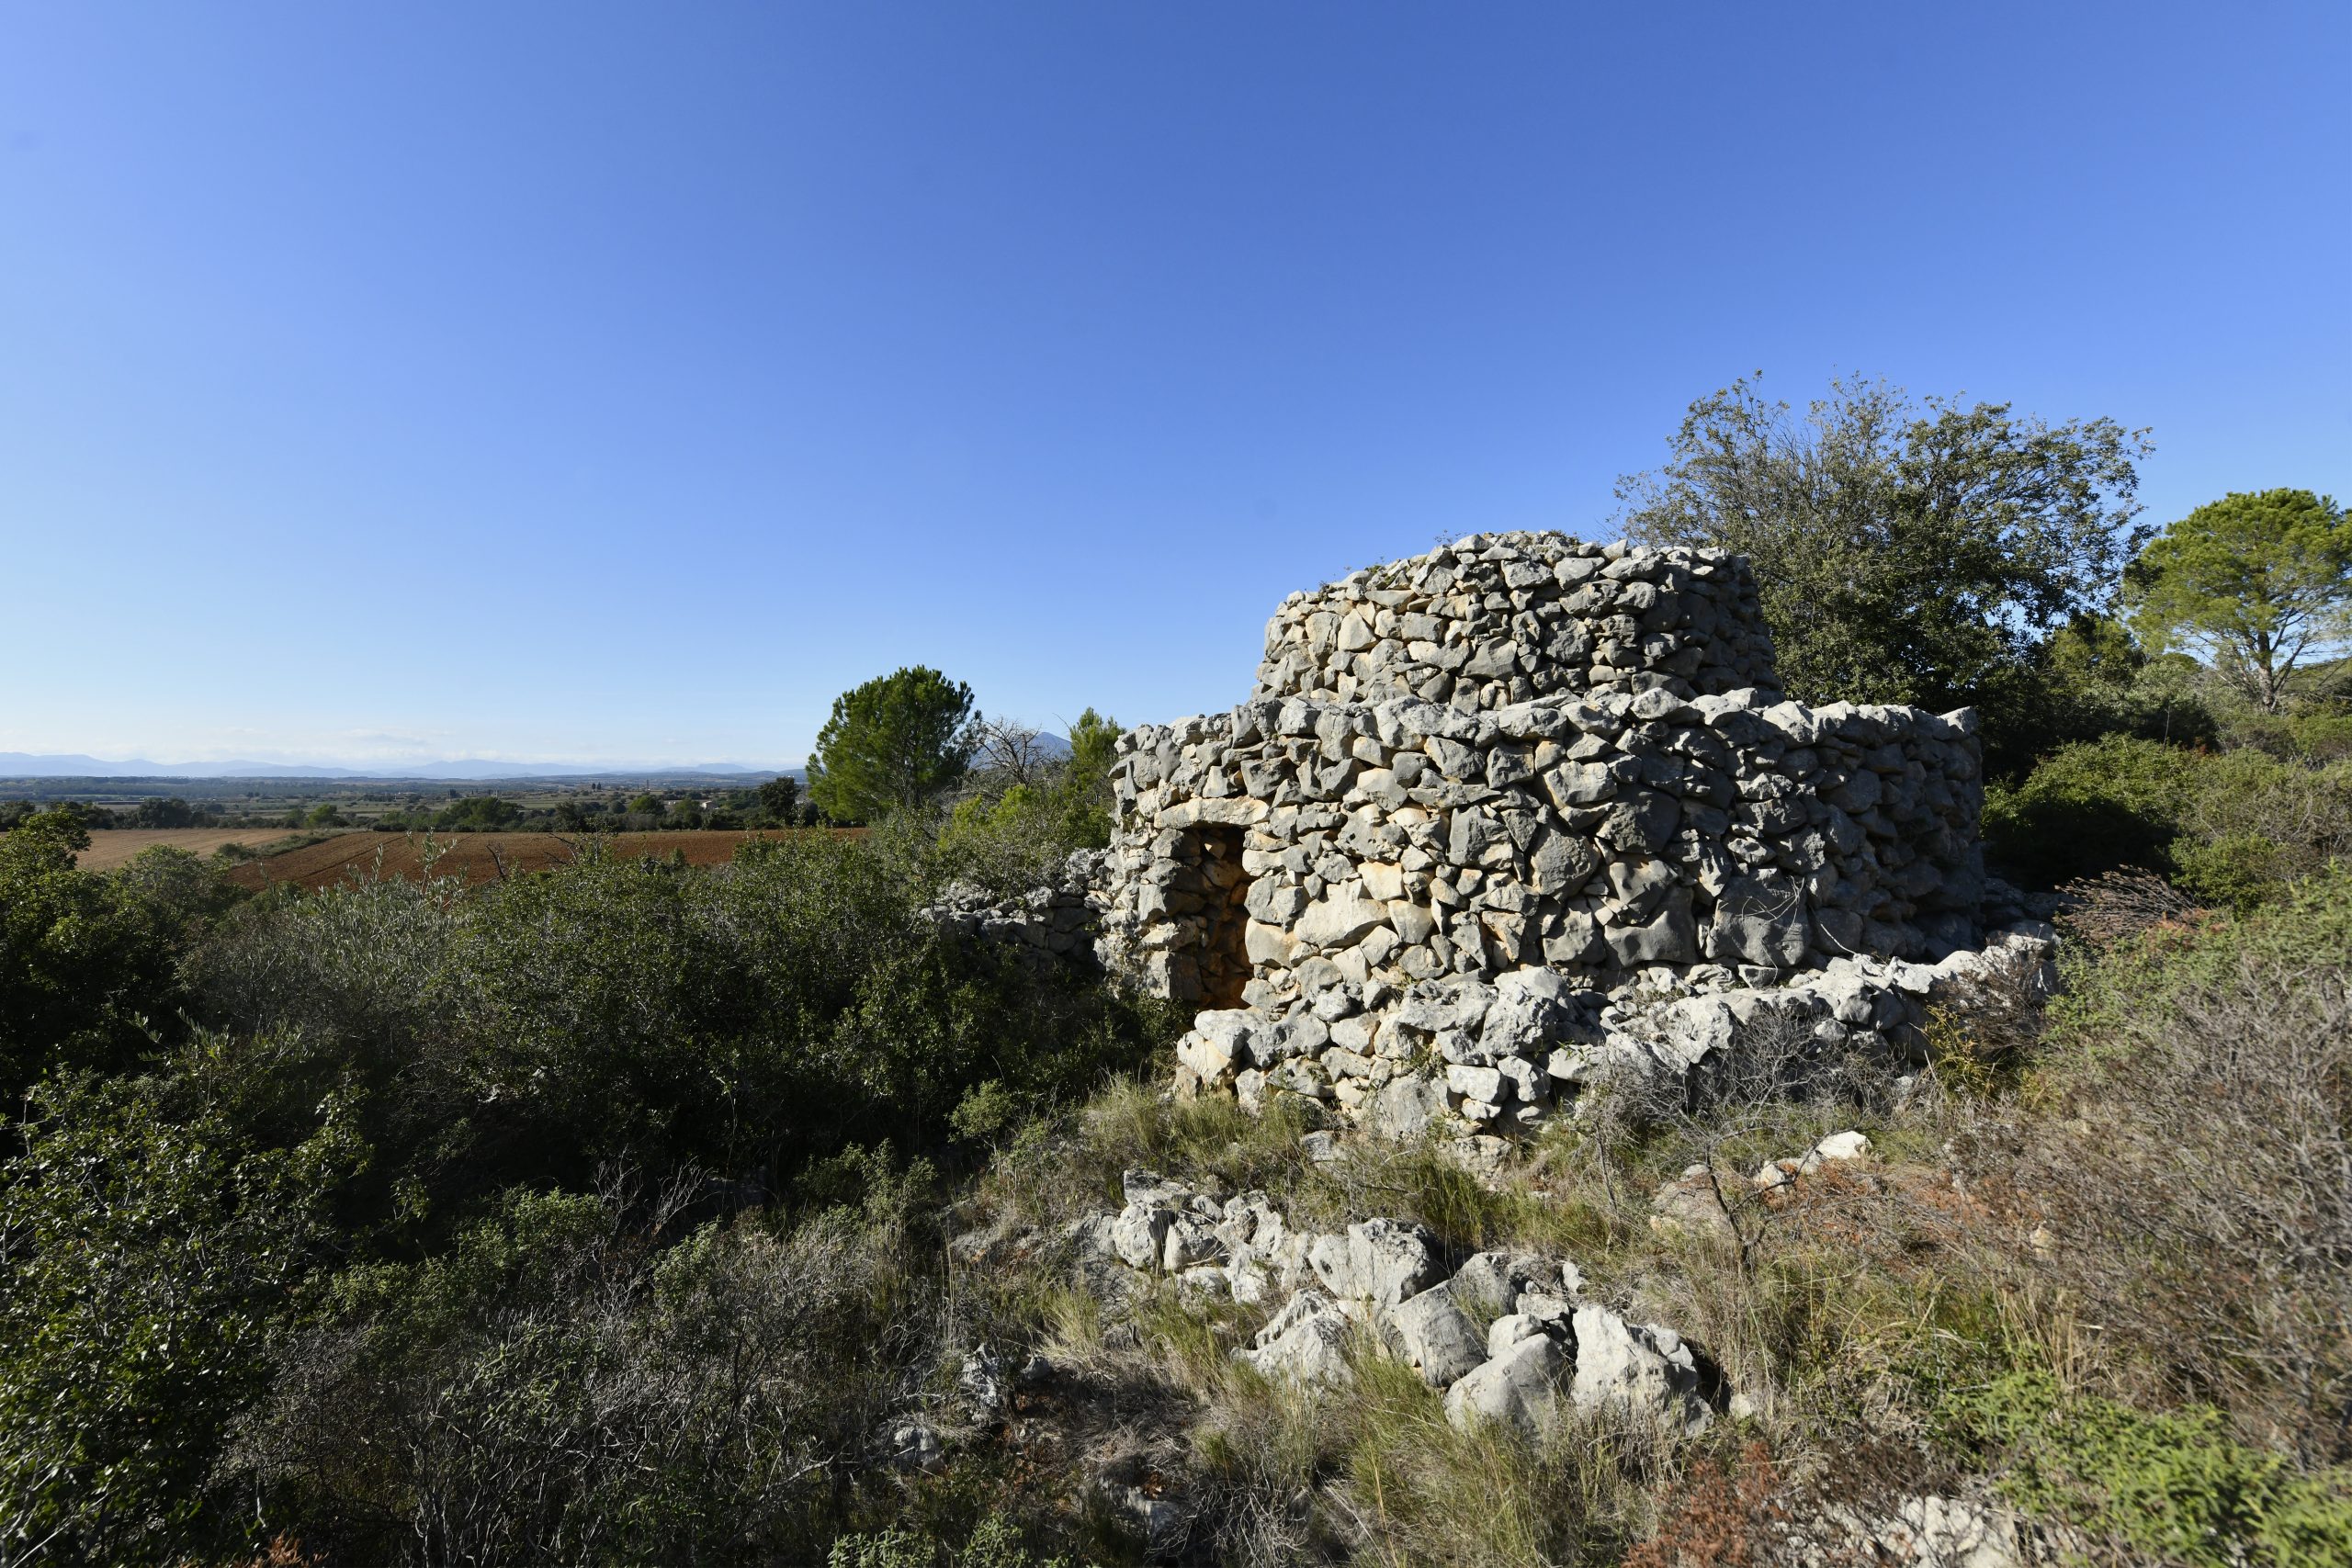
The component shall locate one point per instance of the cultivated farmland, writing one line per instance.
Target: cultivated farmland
(480, 857)
(113, 847)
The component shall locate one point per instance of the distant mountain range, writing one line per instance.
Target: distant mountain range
(51, 765)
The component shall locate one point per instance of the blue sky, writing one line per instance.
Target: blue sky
(601, 381)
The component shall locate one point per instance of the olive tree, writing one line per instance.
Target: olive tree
(1905, 552)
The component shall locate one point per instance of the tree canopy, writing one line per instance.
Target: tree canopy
(1905, 552)
(2258, 584)
(780, 799)
(896, 741)
(84, 971)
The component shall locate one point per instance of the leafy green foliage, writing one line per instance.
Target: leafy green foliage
(2194, 1170)
(181, 896)
(1010, 836)
(478, 814)
(170, 812)
(2176, 1484)
(2093, 679)
(2317, 736)
(780, 800)
(145, 1253)
(2091, 807)
(743, 1022)
(1906, 553)
(2237, 828)
(995, 1544)
(893, 743)
(2257, 583)
(516, 1351)
(86, 963)
(1086, 780)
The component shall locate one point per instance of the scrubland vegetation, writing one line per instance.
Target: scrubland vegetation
(612, 1214)
(625, 1211)
(684, 803)
(636, 1212)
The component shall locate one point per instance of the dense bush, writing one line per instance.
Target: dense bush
(2194, 1173)
(147, 1247)
(2236, 827)
(584, 1378)
(2091, 807)
(741, 1021)
(2318, 735)
(438, 1331)
(2177, 1487)
(85, 961)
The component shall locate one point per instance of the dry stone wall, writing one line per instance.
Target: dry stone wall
(1505, 814)
(1474, 845)
(1523, 617)
(1619, 829)
(1054, 921)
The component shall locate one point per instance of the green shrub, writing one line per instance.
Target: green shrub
(145, 1255)
(582, 1378)
(2317, 736)
(2175, 1484)
(2237, 871)
(85, 961)
(2191, 1161)
(743, 1021)
(516, 1360)
(2256, 824)
(995, 1544)
(2237, 828)
(2088, 808)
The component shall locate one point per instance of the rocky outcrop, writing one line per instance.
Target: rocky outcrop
(1507, 1336)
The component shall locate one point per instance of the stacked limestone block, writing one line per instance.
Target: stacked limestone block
(1462, 1054)
(1620, 838)
(1513, 618)
(1054, 921)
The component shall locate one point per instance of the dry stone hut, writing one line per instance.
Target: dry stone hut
(1523, 812)
(1523, 751)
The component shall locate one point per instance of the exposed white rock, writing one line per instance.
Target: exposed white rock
(1520, 1387)
(1139, 1233)
(1378, 1261)
(1643, 1369)
(1434, 1336)
(1305, 1342)
(1384, 1282)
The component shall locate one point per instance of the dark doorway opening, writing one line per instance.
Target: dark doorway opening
(1223, 889)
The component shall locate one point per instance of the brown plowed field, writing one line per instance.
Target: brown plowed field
(111, 847)
(481, 857)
